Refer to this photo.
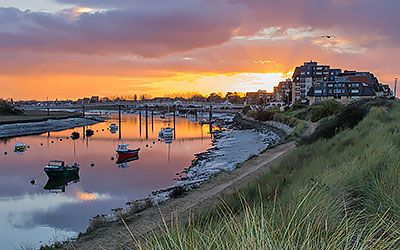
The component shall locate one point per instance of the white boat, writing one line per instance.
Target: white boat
(166, 133)
(20, 147)
(204, 121)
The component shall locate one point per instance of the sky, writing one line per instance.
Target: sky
(74, 48)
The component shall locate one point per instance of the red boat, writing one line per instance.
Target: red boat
(125, 154)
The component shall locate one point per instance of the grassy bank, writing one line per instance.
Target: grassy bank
(339, 190)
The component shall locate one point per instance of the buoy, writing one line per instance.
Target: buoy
(33, 182)
(147, 145)
(60, 139)
(92, 164)
(41, 144)
(52, 141)
(5, 153)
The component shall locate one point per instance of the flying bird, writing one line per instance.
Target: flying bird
(328, 36)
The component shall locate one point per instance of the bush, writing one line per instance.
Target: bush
(348, 117)
(262, 115)
(7, 109)
(324, 109)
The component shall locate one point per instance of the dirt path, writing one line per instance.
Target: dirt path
(116, 236)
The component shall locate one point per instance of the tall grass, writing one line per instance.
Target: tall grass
(337, 193)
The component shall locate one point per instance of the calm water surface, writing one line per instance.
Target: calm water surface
(35, 214)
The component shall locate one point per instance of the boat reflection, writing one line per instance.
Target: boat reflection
(124, 163)
(58, 184)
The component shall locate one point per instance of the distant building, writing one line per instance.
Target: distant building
(83, 101)
(314, 83)
(260, 97)
(283, 92)
(163, 99)
(340, 90)
(309, 74)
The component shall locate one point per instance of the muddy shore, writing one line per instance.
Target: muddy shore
(33, 128)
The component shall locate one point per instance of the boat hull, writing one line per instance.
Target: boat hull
(129, 155)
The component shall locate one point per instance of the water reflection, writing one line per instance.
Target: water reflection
(99, 188)
(59, 183)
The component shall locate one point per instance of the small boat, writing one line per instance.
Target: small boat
(204, 121)
(89, 132)
(166, 133)
(58, 169)
(113, 127)
(162, 116)
(125, 154)
(75, 135)
(20, 147)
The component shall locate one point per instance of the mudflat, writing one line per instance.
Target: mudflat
(36, 116)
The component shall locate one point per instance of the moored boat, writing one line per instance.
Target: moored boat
(20, 147)
(204, 121)
(125, 153)
(114, 127)
(89, 132)
(58, 169)
(75, 135)
(166, 133)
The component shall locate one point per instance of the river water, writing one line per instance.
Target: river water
(31, 215)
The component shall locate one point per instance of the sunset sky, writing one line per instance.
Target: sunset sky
(74, 48)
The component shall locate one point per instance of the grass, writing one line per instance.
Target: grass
(341, 192)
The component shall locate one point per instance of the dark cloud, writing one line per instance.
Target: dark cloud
(151, 33)
(154, 28)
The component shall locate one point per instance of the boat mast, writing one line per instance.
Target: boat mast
(169, 119)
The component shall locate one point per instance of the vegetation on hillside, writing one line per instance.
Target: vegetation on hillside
(339, 190)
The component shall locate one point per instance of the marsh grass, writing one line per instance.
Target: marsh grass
(337, 193)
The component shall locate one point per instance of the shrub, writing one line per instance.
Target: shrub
(348, 117)
(8, 109)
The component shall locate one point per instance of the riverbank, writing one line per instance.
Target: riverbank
(226, 154)
(339, 189)
(37, 127)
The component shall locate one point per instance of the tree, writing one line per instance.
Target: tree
(234, 97)
(214, 97)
